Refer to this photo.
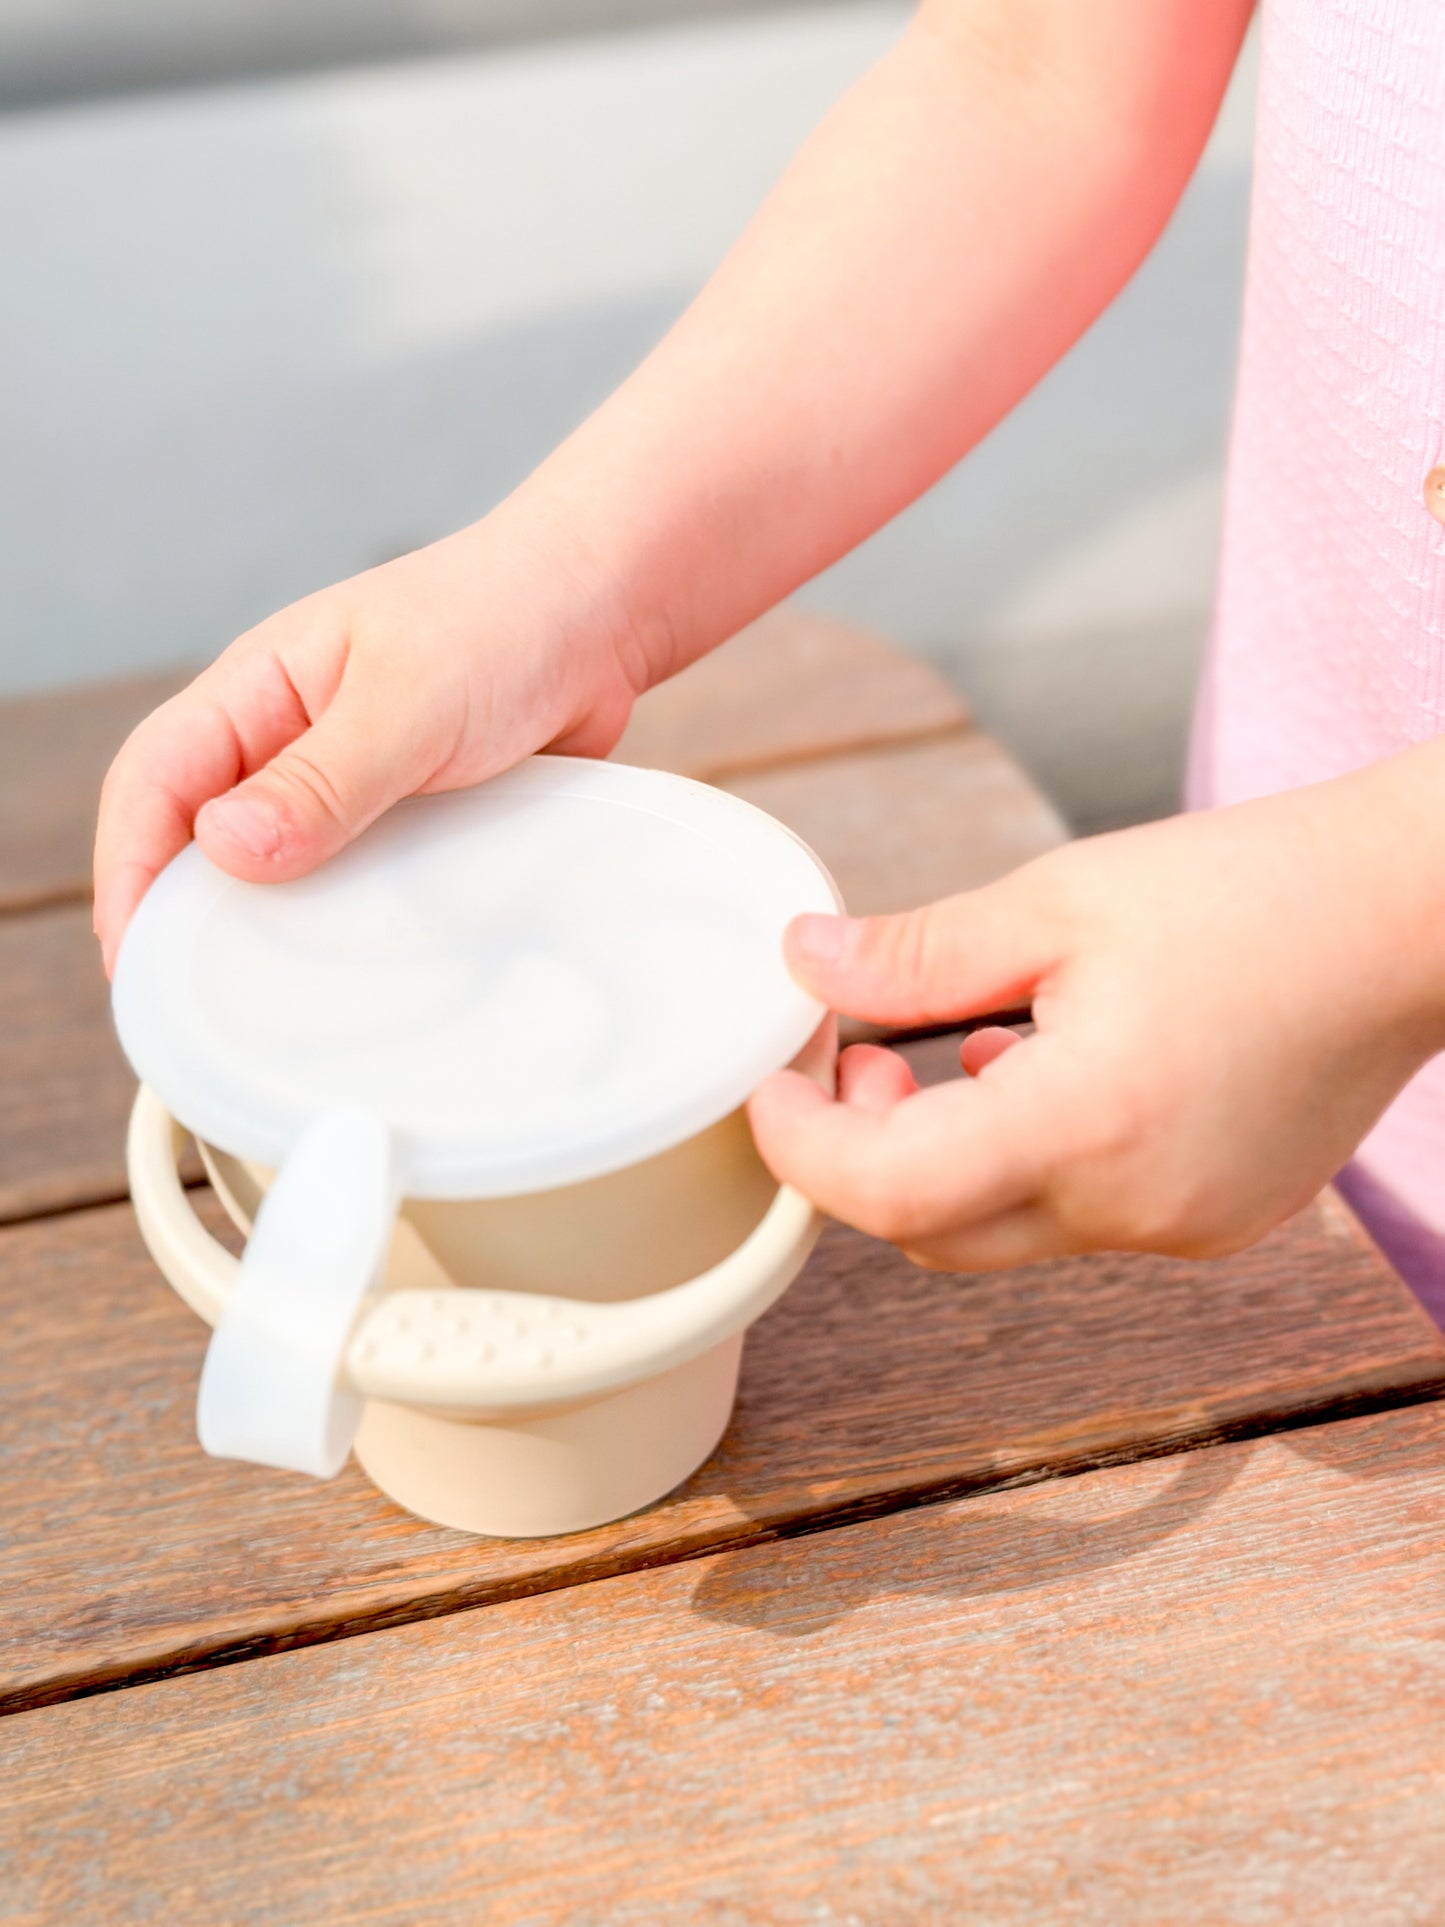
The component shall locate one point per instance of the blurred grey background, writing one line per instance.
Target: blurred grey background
(290, 288)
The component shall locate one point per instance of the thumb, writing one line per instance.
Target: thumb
(312, 798)
(981, 951)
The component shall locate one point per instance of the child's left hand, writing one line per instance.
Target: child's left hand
(1224, 1004)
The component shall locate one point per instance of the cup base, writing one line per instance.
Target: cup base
(538, 1475)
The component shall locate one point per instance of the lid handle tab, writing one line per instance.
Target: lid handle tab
(271, 1387)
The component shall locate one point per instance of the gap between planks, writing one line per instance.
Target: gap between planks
(1181, 1676)
(725, 774)
(1308, 1415)
(872, 1385)
(927, 755)
(805, 1525)
(794, 687)
(896, 826)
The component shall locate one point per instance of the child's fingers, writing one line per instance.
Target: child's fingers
(984, 1047)
(1028, 1235)
(118, 891)
(185, 752)
(232, 718)
(986, 950)
(947, 1157)
(321, 790)
(309, 800)
(874, 1079)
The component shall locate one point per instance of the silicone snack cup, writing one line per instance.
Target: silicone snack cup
(475, 1091)
(514, 1411)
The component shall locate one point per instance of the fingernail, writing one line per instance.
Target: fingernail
(823, 940)
(248, 822)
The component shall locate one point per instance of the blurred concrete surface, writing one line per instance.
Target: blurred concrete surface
(63, 50)
(255, 338)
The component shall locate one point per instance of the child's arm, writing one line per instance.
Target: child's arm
(951, 228)
(1225, 1003)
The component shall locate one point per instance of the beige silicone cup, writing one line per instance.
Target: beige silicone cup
(492, 1403)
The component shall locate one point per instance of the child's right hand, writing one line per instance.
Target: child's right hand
(429, 673)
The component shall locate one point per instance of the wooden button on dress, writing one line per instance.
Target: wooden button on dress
(1434, 492)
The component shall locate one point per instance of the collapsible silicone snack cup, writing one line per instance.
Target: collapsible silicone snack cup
(507, 1357)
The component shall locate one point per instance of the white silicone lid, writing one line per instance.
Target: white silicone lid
(559, 973)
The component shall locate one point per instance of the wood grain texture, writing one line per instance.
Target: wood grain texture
(65, 1089)
(54, 751)
(1202, 1688)
(899, 824)
(794, 685)
(124, 1550)
(903, 825)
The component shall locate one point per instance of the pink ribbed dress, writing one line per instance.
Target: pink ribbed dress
(1329, 643)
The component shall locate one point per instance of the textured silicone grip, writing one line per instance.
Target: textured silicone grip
(479, 1352)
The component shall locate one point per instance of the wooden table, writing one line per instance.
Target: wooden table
(1108, 1590)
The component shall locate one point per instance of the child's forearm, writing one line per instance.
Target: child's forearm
(951, 228)
(948, 232)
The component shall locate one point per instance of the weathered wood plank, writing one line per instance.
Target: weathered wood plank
(65, 1089)
(1200, 1688)
(895, 825)
(903, 825)
(793, 686)
(54, 751)
(123, 1549)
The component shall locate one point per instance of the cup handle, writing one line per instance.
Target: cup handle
(198, 1268)
(478, 1351)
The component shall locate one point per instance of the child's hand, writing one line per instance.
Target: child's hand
(956, 222)
(1224, 1005)
(431, 672)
